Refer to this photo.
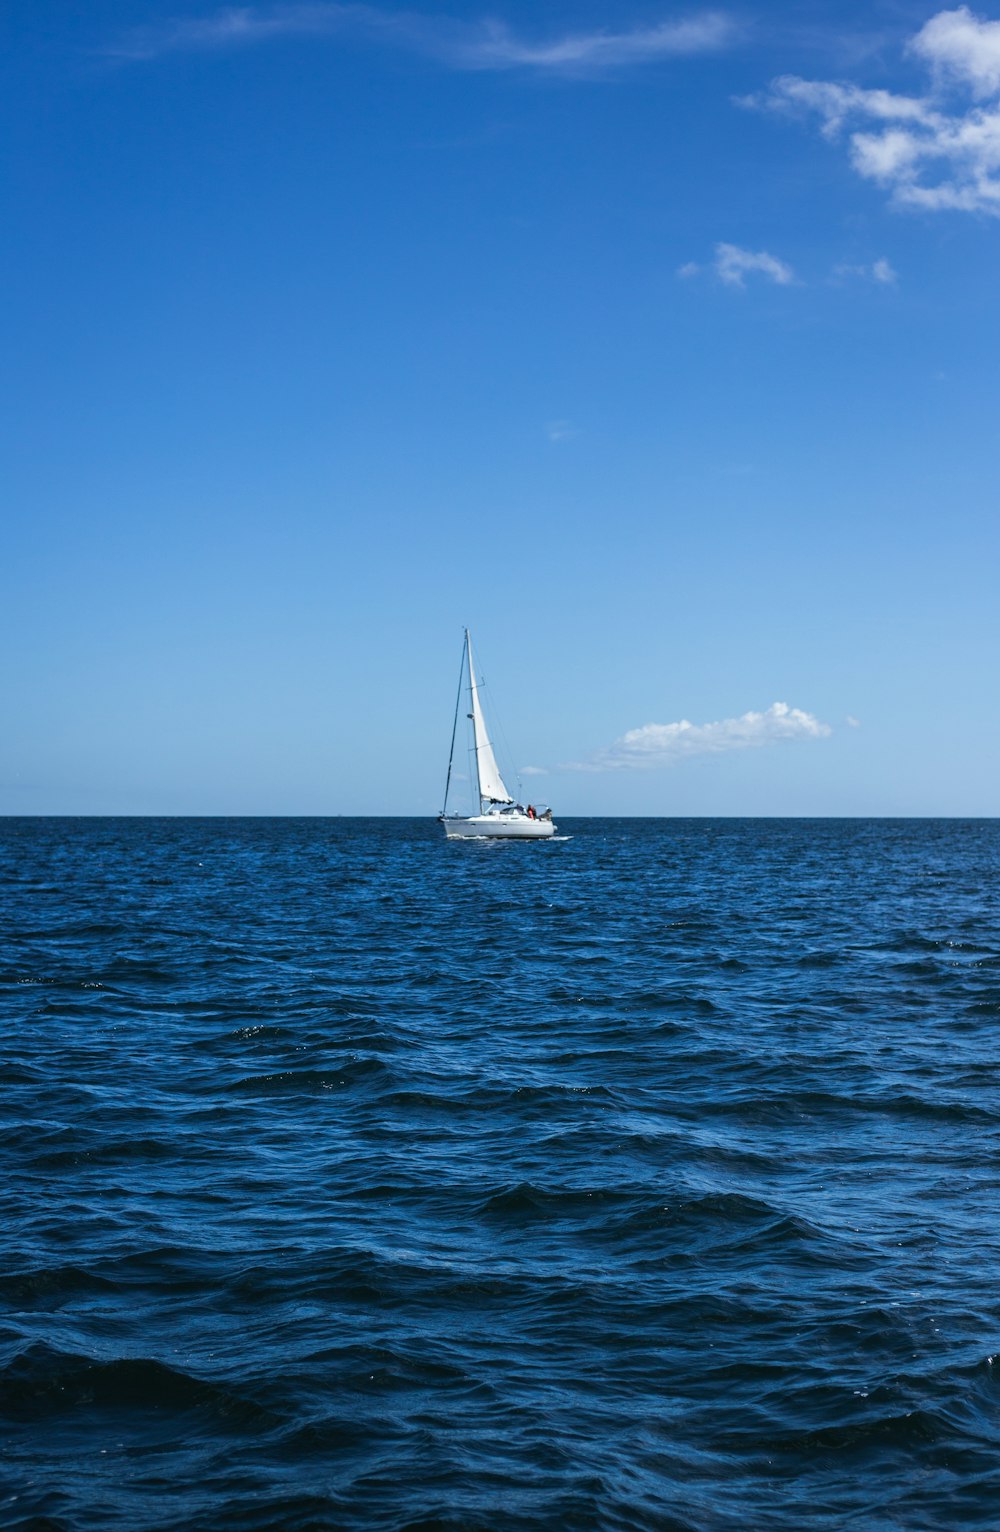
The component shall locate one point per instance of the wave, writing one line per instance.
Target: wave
(42, 1382)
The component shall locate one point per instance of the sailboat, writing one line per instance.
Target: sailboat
(497, 816)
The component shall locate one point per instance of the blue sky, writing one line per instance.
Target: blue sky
(660, 346)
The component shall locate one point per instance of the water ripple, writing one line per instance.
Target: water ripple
(643, 1182)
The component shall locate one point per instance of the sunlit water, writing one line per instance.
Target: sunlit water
(357, 1179)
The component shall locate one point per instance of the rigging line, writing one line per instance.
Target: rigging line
(454, 726)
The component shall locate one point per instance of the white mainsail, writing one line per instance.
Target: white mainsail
(491, 783)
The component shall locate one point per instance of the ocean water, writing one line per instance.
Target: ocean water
(357, 1179)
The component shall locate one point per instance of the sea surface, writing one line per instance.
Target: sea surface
(648, 1179)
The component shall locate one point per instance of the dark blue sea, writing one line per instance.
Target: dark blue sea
(648, 1179)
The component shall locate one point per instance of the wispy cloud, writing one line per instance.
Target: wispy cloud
(664, 744)
(534, 771)
(482, 45)
(931, 152)
(234, 27)
(560, 430)
(880, 272)
(499, 48)
(732, 265)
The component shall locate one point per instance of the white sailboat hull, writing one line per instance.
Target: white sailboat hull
(496, 827)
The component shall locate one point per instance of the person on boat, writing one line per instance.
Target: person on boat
(531, 812)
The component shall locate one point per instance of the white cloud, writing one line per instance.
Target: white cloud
(929, 151)
(689, 269)
(852, 722)
(880, 271)
(485, 45)
(732, 264)
(959, 45)
(664, 744)
(560, 430)
(534, 771)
